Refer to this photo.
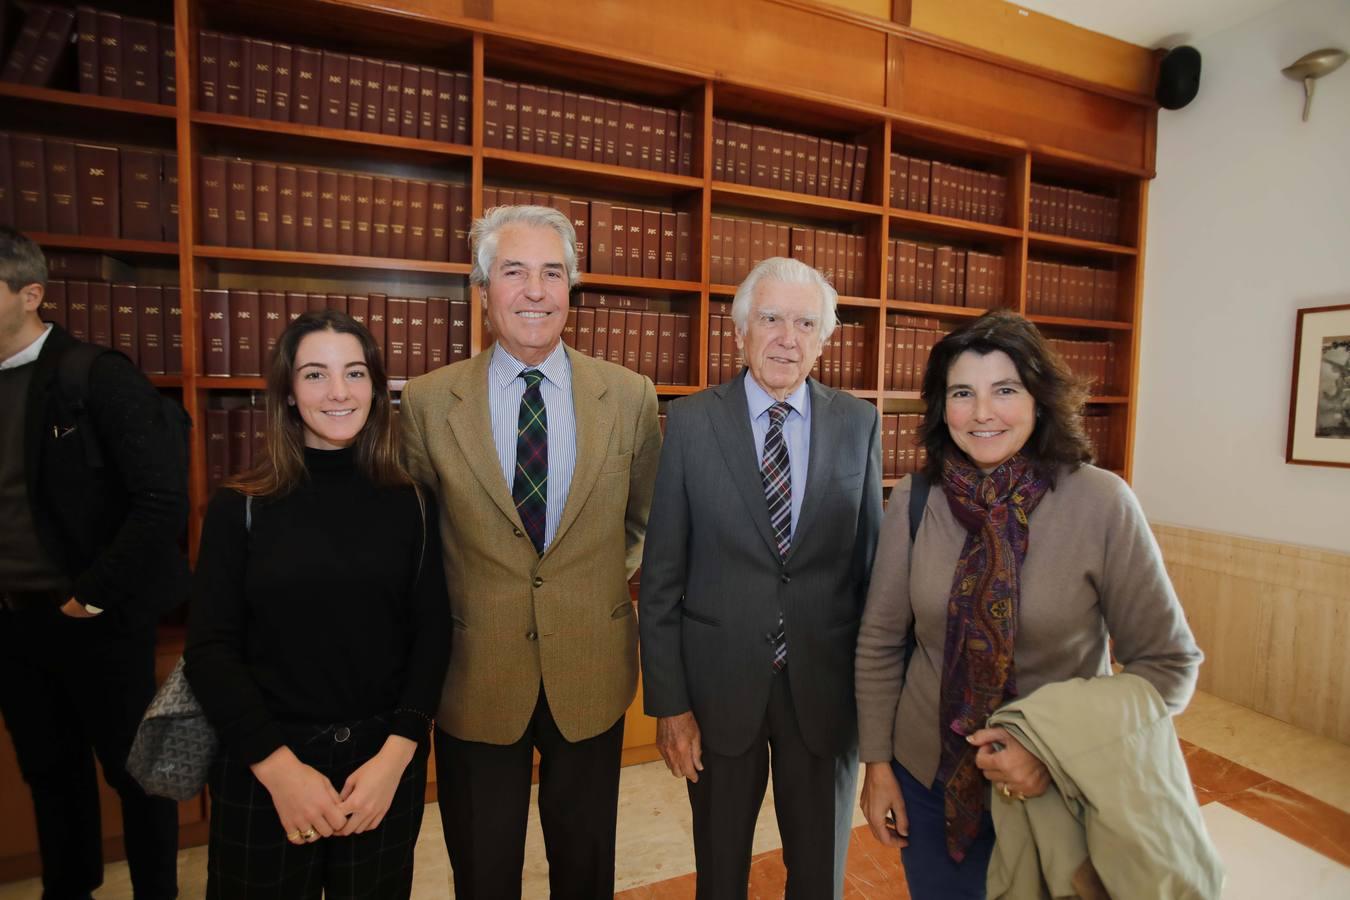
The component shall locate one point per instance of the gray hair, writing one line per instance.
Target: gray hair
(485, 231)
(787, 271)
(21, 260)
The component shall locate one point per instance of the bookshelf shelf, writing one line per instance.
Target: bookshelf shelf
(594, 280)
(789, 203)
(386, 142)
(579, 173)
(946, 226)
(105, 244)
(1069, 322)
(1058, 243)
(87, 101)
(330, 259)
(934, 309)
(166, 381)
(233, 383)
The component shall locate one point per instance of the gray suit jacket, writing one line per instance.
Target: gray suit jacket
(713, 585)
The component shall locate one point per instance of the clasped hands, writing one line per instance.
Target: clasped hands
(310, 808)
(1014, 772)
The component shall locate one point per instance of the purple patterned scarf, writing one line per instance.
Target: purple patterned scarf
(977, 667)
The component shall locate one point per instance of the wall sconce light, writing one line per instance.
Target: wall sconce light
(1312, 66)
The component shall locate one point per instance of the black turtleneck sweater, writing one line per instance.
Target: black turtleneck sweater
(320, 611)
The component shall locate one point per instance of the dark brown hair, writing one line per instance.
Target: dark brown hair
(1058, 438)
(282, 467)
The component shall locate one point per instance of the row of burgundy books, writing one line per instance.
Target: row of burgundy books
(626, 332)
(268, 206)
(415, 335)
(236, 435)
(901, 452)
(143, 321)
(801, 163)
(1074, 213)
(67, 187)
(117, 56)
(532, 118)
(944, 189)
(614, 239)
(738, 245)
(261, 79)
(1094, 361)
(1055, 289)
(925, 273)
(909, 343)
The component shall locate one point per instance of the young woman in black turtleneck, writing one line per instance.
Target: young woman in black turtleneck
(319, 636)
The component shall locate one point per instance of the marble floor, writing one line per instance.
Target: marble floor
(1276, 801)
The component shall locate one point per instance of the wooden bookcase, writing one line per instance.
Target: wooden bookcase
(492, 49)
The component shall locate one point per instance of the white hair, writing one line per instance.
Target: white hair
(787, 271)
(485, 232)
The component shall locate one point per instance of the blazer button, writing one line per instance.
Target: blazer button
(342, 734)
(517, 532)
(538, 582)
(787, 579)
(531, 636)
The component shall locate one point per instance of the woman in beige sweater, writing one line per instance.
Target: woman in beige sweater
(1026, 561)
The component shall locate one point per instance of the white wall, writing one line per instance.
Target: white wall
(1249, 220)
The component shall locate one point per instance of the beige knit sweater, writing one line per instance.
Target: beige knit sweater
(1092, 571)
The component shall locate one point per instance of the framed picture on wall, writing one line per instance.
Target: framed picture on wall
(1319, 399)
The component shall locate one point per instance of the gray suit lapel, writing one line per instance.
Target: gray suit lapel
(820, 468)
(731, 425)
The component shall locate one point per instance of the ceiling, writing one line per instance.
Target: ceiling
(1152, 23)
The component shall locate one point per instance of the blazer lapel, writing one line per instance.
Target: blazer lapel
(471, 424)
(594, 422)
(820, 467)
(731, 425)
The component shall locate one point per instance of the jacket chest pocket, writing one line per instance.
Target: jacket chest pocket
(617, 462)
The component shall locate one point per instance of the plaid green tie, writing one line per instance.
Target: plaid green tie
(529, 489)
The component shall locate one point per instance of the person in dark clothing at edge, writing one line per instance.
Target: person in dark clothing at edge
(319, 636)
(89, 560)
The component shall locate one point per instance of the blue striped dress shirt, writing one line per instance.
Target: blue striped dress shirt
(796, 432)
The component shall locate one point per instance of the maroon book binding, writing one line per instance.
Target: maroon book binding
(264, 206)
(287, 208)
(168, 198)
(110, 54)
(438, 332)
(398, 219)
(208, 71)
(30, 35)
(328, 211)
(308, 231)
(215, 317)
(333, 90)
(140, 59)
(260, 78)
(271, 322)
(29, 182)
(214, 231)
(245, 333)
(97, 185)
(306, 85)
(418, 199)
(59, 163)
(239, 184)
(396, 337)
(150, 328)
(124, 320)
(172, 304)
(86, 50)
(140, 187)
(346, 213)
(233, 76)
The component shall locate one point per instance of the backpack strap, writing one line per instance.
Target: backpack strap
(248, 512)
(918, 501)
(72, 379)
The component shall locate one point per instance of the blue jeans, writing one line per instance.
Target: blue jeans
(930, 873)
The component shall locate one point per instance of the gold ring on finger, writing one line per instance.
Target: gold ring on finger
(294, 836)
(309, 834)
(1003, 789)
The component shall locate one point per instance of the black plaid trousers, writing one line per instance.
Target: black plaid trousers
(249, 857)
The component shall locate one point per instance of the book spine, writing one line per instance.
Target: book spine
(579, 213)
(445, 107)
(393, 98)
(438, 332)
(140, 187)
(58, 158)
(398, 219)
(233, 76)
(463, 107)
(306, 85)
(426, 103)
(459, 222)
(396, 337)
(54, 307)
(417, 337)
(51, 48)
(110, 69)
(333, 90)
(418, 198)
(216, 346)
(30, 35)
(601, 255)
(459, 330)
(168, 65)
(271, 323)
(652, 244)
(372, 95)
(240, 186)
(356, 93)
(328, 211)
(258, 89)
(245, 333)
(86, 51)
(408, 102)
(97, 185)
(208, 71)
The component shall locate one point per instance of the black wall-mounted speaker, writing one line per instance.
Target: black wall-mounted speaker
(1178, 77)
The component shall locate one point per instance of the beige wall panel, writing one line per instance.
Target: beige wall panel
(953, 87)
(1273, 620)
(1037, 39)
(757, 41)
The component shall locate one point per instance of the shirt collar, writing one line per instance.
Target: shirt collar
(28, 354)
(760, 401)
(504, 367)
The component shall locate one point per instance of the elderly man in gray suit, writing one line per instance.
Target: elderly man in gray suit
(759, 549)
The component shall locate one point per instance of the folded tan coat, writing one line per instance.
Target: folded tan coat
(1120, 819)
